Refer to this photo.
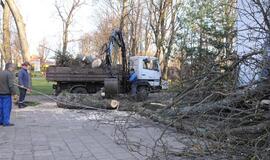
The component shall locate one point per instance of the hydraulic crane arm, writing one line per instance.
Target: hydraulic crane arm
(116, 39)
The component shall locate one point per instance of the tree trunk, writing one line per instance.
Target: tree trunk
(6, 34)
(2, 57)
(146, 38)
(65, 40)
(84, 101)
(140, 34)
(134, 47)
(132, 31)
(123, 15)
(21, 29)
(167, 52)
(1, 68)
(165, 69)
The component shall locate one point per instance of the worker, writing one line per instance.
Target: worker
(133, 80)
(7, 89)
(24, 84)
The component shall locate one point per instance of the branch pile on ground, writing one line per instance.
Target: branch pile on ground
(235, 123)
(238, 120)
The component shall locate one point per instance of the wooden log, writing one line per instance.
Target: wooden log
(254, 129)
(86, 101)
(114, 104)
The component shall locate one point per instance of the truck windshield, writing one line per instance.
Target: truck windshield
(150, 64)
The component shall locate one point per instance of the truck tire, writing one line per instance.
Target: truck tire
(79, 90)
(142, 93)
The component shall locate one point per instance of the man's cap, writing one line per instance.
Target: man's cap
(25, 64)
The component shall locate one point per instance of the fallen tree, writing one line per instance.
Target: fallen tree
(84, 101)
(239, 122)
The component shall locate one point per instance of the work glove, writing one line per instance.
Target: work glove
(29, 90)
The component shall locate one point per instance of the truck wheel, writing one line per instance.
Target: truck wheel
(56, 92)
(142, 93)
(79, 90)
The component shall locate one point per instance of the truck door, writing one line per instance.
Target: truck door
(150, 71)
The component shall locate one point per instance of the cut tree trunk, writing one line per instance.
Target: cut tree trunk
(84, 101)
(254, 129)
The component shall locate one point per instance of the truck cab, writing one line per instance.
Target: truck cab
(148, 73)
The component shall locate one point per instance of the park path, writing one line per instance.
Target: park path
(45, 132)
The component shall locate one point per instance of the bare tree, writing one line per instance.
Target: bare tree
(67, 17)
(85, 44)
(158, 11)
(106, 26)
(147, 35)
(135, 26)
(16, 49)
(6, 33)
(21, 29)
(123, 14)
(163, 23)
(43, 51)
(170, 39)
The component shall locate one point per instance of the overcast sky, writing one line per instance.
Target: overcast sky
(42, 21)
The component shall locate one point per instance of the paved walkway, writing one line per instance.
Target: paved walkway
(45, 132)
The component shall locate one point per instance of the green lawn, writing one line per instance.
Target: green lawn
(41, 85)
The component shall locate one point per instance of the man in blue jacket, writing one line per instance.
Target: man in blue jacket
(133, 80)
(7, 89)
(24, 82)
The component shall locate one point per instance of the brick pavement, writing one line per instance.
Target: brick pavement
(45, 132)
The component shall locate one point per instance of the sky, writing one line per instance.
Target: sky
(42, 21)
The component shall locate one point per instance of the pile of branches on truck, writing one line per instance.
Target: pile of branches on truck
(67, 60)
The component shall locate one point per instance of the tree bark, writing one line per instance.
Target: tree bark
(254, 129)
(2, 57)
(123, 15)
(146, 38)
(239, 97)
(84, 101)
(167, 53)
(6, 34)
(134, 46)
(21, 29)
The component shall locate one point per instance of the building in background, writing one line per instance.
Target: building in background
(35, 61)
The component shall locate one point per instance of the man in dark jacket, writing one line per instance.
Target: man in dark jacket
(7, 89)
(24, 82)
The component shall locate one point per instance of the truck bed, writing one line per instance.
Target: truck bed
(81, 74)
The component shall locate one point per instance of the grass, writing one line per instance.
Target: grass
(41, 85)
